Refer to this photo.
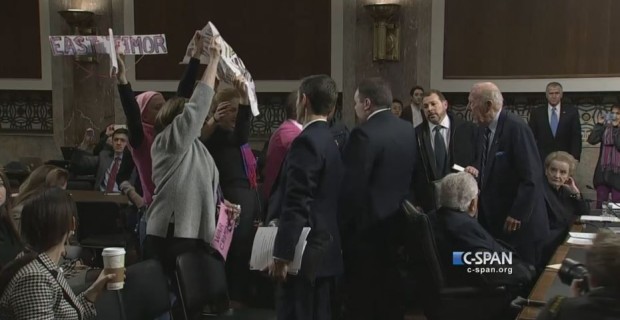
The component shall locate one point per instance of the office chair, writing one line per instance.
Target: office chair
(441, 300)
(201, 279)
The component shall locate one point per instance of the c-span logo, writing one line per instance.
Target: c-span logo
(481, 258)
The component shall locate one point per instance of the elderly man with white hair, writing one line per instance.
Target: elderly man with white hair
(512, 206)
(457, 230)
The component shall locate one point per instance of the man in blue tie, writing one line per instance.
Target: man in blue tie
(556, 127)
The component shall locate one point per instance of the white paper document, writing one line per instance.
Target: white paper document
(579, 241)
(600, 218)
(458, 168)
(582, 235)
(554, 266)
(262, 249)
(614, 206)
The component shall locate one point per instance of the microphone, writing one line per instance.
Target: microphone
(520, 302)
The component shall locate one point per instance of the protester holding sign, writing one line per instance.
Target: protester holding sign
(226, 134)
(182, 216)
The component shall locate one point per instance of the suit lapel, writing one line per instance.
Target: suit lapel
(494, 145)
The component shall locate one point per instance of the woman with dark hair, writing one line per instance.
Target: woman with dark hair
(10, 244)
(33, 286)
(607, 172)
(226, 134)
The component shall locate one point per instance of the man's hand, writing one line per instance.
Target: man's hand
(121, 75)
(109, 130)
(576, 287)
(233, 210)
(199, 45)
(511, 224)
(279, 270)
(471, 170)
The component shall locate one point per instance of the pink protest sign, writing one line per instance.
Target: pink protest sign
(223, 232)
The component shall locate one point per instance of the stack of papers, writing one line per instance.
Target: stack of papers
(600, 218)
(262, 249)
(579, 241)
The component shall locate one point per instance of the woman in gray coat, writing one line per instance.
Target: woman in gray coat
(182, 216)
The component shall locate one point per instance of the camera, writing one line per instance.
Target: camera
(571, 270)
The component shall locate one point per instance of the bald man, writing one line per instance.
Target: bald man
(510, 175)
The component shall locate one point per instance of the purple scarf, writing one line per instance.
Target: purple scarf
(249, 163)
(610, 156)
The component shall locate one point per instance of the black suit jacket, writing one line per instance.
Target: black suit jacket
(563, 207)
(598, 304)
(568, 135)
(461, 151)
(457, 231)
(308, 189)
(379, 160)
(512, 184)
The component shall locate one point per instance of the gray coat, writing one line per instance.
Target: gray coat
(185, 175)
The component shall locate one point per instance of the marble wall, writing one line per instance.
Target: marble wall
(414, 64)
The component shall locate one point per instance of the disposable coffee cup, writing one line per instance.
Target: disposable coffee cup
(114, 263)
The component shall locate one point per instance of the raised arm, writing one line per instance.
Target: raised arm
(130, 106)
(186, 127)
(186, 85)
(244, 115)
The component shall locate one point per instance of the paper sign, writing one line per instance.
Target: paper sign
(223, 233)
(112, 53)
(262, 249)
(89, 45)
(230, 66)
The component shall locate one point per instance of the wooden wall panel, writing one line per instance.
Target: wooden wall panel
(19, 27)
(531, 38)
(277, 39)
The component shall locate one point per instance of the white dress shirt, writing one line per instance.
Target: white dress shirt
(445, 131)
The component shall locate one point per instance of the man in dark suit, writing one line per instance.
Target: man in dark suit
(111, 166)
(556, 127)
(512, 204)
(379, 160)
(308, 189)
(456, 139)
(457, 229)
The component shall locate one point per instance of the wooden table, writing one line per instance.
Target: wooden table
(546, 279)
(98, 196)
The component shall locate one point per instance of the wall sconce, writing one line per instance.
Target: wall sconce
(386, 33)
(82, 23)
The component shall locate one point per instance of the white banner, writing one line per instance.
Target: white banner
(127, 45)
(230, 66)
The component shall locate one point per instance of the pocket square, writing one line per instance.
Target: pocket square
(500, 153)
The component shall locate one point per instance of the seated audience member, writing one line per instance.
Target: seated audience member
(563, 198)
(182, 216)
(10, 244)
(602, 300)
(226, 134)
(397, 107)
(33, 286)
(108, 165)
(457, 229)
(607, 172)
(35, 181)
(279, 144)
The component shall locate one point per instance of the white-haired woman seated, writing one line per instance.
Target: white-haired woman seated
(563, 198)
(457, 229)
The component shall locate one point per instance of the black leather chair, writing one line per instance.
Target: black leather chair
(100, 225)
(144, 296)
(440, 300)
(201, 278)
